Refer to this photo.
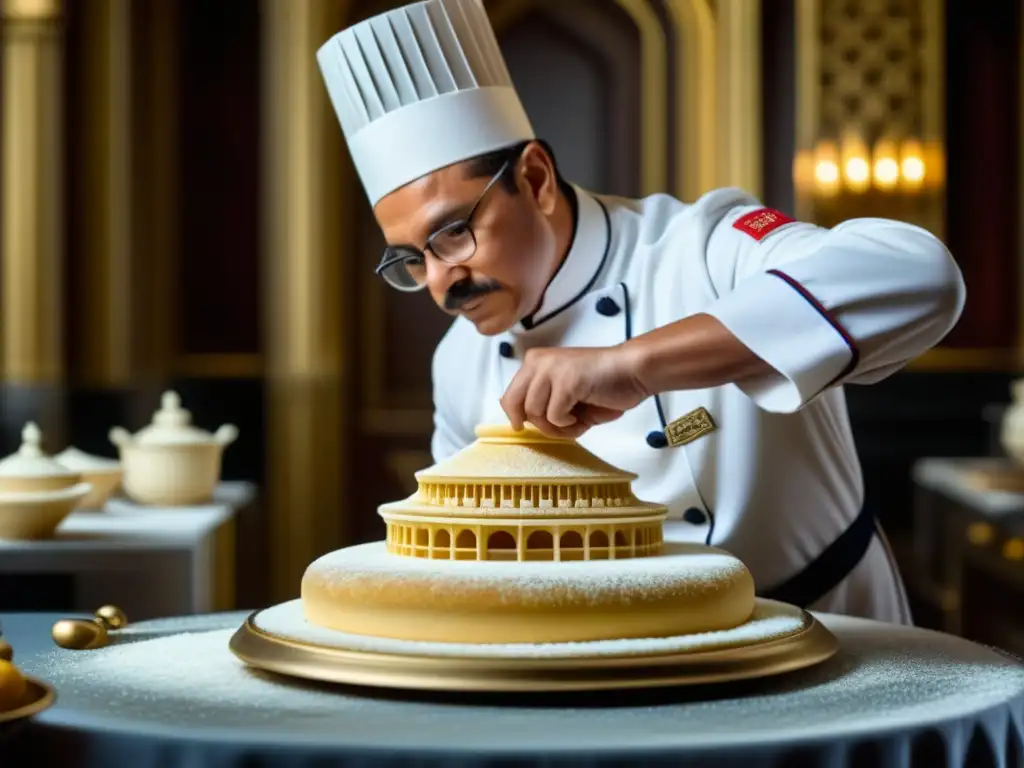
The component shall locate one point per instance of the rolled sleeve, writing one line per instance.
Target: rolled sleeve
(778, 320)
(824, 308)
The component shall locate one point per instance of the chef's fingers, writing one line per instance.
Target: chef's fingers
(594, 415)
(536, 404)
(562, 403)
(575, 431)
(513, 402)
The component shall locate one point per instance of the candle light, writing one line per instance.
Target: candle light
(833, 168)
(912, 167)
(886, 170)
(856, 171)
(826, 169)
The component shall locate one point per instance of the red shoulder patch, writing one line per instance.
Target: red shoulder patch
(762, 222)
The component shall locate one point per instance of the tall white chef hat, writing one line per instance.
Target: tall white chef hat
(419, 88)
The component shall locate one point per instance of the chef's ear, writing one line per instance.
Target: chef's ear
(538, 172)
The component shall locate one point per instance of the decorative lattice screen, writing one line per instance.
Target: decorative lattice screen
(872, 68)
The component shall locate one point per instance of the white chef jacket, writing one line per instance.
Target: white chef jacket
(779, 479)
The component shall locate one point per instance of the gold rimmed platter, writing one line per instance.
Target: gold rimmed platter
(293, 657)
(38, 697)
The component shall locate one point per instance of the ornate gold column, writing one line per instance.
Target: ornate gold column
(104, 323)
(305, 211)
(127, 197)
(696, 97)
(739, 95)
(654, 171)
(32, 220)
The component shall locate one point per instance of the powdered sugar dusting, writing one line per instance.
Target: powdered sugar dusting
(179, 669)
(678, 570)
(509, 461)
(899, 680)
(769, 621)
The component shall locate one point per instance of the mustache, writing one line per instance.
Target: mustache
(465, 291)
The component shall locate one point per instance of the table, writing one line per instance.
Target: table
(893, 697)
(968, 557)
(150, 561)
(950, 478)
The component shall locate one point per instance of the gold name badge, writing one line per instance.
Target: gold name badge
(690, 427)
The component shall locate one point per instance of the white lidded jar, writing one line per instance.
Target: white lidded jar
(36, 492)
(30, 470)
(171, 462)
(103, 474)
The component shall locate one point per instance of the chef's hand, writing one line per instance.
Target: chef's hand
(565, 391)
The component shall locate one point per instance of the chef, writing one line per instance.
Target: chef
(703, 346)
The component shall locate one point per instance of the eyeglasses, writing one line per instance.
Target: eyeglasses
(405, 268)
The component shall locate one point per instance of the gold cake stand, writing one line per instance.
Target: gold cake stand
(810, 645)
(38, 697)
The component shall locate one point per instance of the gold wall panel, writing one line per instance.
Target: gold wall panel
(32, 218)
(31, 10)
(105, 321)
(873, 66)
(696, 67)
(308, 199)
(740, 128)
(808, 81)
(654, 173)
(127, 244)
(872, 69)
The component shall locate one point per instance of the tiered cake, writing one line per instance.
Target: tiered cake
(526, 563)
(523, 538)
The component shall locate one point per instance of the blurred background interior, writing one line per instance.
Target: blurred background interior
(178, 211)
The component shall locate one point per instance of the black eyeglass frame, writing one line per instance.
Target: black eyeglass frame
(393, 254)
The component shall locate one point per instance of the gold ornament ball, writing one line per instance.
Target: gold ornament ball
(111, 617)
(79, 634)
(6, 652)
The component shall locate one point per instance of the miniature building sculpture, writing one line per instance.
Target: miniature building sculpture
(523, 496)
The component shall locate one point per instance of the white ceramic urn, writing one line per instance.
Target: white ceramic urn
(103, 474)
(36, 492)
(171, 462)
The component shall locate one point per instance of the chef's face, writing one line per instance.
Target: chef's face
(510, 221)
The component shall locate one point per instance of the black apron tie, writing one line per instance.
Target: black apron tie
(830, 568)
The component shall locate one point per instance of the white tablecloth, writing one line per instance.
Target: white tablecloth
(893, 697)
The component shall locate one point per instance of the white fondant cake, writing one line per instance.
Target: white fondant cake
(523, 538)
(687, 588)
